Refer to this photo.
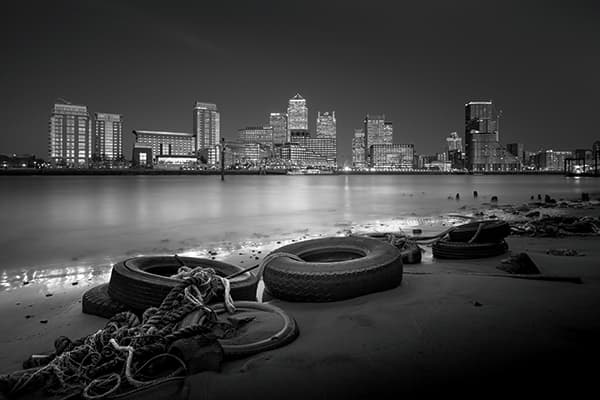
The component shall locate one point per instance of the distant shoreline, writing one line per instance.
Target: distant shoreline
(136, 171)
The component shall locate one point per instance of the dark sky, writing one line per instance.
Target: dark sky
(418, 62)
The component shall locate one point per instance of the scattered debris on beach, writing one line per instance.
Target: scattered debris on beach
(564, 252)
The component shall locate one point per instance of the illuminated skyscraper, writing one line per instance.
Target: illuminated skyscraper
(483, 152)
(297, 114)
(454, 142)
(70, 138)
(108, 136)
(279, 123)
(326, 125)
(207, 130)
(377, 131)
(358, 148)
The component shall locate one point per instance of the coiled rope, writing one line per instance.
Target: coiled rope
(109, 361)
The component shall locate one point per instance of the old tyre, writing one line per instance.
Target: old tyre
(144, 282)
(333, 269)
(269, 327)
(491, 232)
(461, 251)
(96, 301)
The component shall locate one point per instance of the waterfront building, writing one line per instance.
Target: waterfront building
(304, 150)
(443, 156)
(326, 125)
(108, 137)
(454, 142)
(358, 149)
(585, 156)
(551, 160)
(377, 131)
(388, 155)
(240, 154)
(297, 113)
(69, 135)
(207, 131)
(257, 134)
(483, 152)
(423, 160)
(278, 121)
(165, 143)
(456, 159)
(444, 166)
(517, 150)
(142, 155)
(596, 149)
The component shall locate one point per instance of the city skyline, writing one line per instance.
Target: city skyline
(421, 84)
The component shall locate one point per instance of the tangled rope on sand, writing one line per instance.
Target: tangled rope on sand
(111, 360)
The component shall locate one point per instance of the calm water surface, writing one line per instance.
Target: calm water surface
(97, 220)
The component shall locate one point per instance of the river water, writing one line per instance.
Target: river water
(83, 221)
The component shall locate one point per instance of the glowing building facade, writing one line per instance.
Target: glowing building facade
(69, 136)
(207, 130)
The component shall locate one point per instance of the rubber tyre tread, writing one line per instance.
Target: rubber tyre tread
(492, 232)
(96, 301)
(290, 333)
(380, 269)
(131, 285)
(461, 251)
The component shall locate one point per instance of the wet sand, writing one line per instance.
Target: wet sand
(443, 330)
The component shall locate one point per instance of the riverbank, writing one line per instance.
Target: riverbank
(268, 171)
(445, 329)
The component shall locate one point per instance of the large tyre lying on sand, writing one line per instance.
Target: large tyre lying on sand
(144, 282)
(462, 251)
(333, 269)
(96, 301)
(269, 328)
(491, 232)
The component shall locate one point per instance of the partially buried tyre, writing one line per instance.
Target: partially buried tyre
(490, 232)
(268, 328)
(461, 251)
(333, 269)
(144, 282)
(96, 301)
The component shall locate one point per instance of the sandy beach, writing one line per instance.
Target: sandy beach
(447, 328)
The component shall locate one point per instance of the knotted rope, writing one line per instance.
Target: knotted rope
(108, 361)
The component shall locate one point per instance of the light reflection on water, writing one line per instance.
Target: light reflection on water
(52, 223)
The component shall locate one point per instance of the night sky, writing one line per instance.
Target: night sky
(418, 62)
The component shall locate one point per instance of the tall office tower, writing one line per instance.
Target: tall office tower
(377, 131)
(108, 136)
(297, 114)
(70, 138)
(358, 148)
(279, 123)
(483, 152)
(326, 125)
(454, 142)
(207, 130)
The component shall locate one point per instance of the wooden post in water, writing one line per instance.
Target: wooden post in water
(222, 158)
